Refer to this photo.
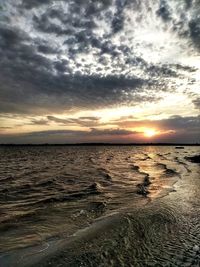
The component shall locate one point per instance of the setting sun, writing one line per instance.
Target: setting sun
(150, 132)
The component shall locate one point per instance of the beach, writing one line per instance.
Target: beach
(99, 206)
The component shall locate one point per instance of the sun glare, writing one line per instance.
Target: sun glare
(150, 132)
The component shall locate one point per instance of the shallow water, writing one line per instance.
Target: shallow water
(99, 206)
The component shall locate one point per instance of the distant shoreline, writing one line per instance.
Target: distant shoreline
(105, 144)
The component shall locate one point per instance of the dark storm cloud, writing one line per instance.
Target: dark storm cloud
(97, 132)
(196, 103)
(118, 20)
(66, 136)
(77, 20)
(190, 124)
(58, 120)
(44, 24)
(164, 10)
(46, 134)
(91, 132)
(175, 128)
(10, 36)
(39, 122)
(33, 87)
(194, 27)
(184, 68)
(45, 49)
(81, 121)
(34, 3)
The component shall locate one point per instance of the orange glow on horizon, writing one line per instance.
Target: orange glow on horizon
(150, 132)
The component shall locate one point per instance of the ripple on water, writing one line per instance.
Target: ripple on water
(64, 189)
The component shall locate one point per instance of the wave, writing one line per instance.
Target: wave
(183, 163)
(167, 171)
(105, 173)
(194, 159)
(143, 187)
(45, 183)
(92, 189)
(8, 220)
(161, 156)
(135, 167)
(97, 206)
(7, 178)
(89, 187)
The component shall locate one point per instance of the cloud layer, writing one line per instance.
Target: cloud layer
(174, 129)
(67, 56)
(88, 54)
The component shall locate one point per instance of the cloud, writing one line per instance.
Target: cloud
(190, 124)
(67, 136)
(125, 129)
(34, 3)
(196, 102)
(164, 11)
(194, 27)
(41, 91)
(81, 121)
(38, 122)
(57, 56)
(3, 128)
(111, 131)
(91, 132)
(174, 129)
(184, 20)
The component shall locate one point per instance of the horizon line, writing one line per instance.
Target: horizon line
(100, 144)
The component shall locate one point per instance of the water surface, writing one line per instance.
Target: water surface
(99, 206)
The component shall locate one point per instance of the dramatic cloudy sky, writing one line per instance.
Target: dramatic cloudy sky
(99, 71)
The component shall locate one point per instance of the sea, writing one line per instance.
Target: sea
(99, 206)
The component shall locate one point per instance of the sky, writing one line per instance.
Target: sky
(74, 71)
